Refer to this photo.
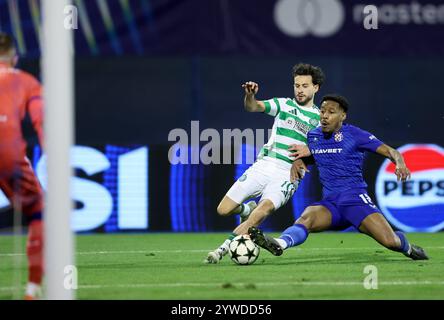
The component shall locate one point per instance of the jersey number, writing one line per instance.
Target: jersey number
(367, 200)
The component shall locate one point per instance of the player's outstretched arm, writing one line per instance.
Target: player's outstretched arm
(250, 102)
(402, 172)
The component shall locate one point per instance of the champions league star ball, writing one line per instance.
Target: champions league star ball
(243, 250)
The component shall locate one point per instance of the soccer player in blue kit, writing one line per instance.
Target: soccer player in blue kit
(338, 150)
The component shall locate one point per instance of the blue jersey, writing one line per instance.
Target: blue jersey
(339, 157)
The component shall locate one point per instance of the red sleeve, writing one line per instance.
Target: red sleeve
(34, 107)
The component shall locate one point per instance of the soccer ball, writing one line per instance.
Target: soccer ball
(243, 250)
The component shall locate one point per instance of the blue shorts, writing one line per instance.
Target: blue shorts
(349, 208)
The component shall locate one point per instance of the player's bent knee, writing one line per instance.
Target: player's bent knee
(307, 222)
(227, 206)
(223, 210)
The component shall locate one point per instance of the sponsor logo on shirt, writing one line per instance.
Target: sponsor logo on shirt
(294, 124)
(322, 151)
(3, 118)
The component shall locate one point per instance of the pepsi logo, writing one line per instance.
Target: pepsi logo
(416, 205)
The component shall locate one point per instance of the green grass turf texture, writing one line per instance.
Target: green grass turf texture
(170, 266)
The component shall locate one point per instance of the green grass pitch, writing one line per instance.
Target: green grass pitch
(169, 266)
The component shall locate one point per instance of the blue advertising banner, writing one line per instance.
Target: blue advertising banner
(272, 27)
(127, 189)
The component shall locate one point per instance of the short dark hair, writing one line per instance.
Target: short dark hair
(343, 103)
(6, 43)
(305, 69)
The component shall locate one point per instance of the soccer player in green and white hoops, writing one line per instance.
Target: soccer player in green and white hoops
(269, 176)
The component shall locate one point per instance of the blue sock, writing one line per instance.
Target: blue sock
(294, 235)
(405, 246)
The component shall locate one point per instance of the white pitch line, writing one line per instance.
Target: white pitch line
(259, 284)
(116, 252)
(202, 250)
(265, 284)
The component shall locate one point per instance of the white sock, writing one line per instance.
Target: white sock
(281, 242)
(223, 249)
(32, 289)
(245, 211)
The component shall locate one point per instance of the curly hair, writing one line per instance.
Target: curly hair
(305, 69)
(343, 103)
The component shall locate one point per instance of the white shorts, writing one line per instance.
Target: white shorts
(268, 177)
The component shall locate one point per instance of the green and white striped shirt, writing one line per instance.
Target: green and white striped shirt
(291, 125)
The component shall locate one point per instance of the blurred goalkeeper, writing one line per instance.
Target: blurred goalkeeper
(269, 176)
(20, 96)
(338, 150)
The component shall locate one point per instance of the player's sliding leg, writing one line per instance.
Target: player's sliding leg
(262, 178)
(262, 211)
(31, 200)
(376, 226)
(34, 251)
(313, 219)
(229, 207)
(250, 185)
(258, 214)
(26, 195)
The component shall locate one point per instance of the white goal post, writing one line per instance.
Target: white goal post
(57, 68)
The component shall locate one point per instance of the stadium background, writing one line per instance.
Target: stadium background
(146, 67)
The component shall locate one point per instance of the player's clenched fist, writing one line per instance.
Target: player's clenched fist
(250, 87)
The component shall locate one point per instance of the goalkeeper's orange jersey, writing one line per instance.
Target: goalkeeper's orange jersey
(20, 94)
